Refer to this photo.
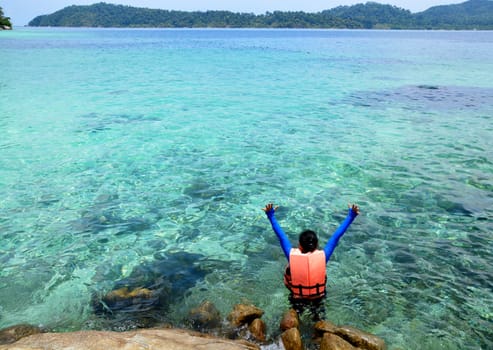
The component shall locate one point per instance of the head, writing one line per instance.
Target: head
(308, 241)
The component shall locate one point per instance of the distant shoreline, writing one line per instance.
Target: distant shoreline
(470, 15)
(260, 29)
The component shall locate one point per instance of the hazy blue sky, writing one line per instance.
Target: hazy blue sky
(22, 11)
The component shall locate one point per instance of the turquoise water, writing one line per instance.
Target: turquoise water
(132, 154)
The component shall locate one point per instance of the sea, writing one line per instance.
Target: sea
(142, 158)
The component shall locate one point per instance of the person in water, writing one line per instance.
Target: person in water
(305, 275)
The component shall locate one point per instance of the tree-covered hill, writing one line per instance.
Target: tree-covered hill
(374, 15)
(107, 15)
(4, 21)
(473, 14)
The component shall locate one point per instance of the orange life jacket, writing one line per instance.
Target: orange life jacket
(305, 275)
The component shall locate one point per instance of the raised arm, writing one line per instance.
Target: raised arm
(334, 239)
(283, 239)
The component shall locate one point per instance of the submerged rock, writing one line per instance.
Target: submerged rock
(151, 290)
(205, 316)
(14, 333)
(97, 221)
(244, 314)
(425, 98)
(138, 299)
(203, 190)
(169, 339)
(290, 320)
(125, 293)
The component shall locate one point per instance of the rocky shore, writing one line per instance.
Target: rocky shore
(4, 27)
(243, 329)
(171, 339)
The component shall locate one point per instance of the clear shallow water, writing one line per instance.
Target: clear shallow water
(131, 154)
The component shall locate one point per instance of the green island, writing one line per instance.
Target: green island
(469, 15)
(4, 21)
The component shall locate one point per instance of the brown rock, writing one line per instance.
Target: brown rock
(242, 314)
(14, 333)
(148, 339)
(333, 342)
(206, 315)
(292, 339)
(322, 327)
(140, 293)
(257, 328)
(289, 320)
(125, 293)
(126, 300)
(360, 339)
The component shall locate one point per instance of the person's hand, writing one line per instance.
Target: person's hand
(270, 207)
(354, 208)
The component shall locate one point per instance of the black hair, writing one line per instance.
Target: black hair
(308, 241)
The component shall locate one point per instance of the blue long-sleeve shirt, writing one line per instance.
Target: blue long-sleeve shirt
(329, 247)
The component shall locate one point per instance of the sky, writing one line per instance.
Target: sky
(22, 11)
